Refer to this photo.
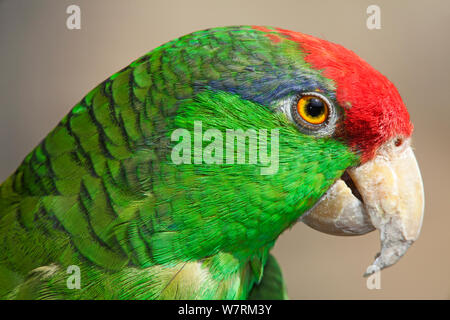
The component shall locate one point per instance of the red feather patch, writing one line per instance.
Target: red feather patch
(374, 110)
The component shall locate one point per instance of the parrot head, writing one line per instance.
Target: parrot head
(215, 143)
(190, 162)
(345, 164)
(384, 189)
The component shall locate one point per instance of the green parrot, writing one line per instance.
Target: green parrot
(174, 177)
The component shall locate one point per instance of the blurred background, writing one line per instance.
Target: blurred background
(45, 69)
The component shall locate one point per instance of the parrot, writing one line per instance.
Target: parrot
(117, 203)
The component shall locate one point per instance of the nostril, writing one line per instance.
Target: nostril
(398, 142)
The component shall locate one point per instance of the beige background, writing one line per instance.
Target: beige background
(45, 69)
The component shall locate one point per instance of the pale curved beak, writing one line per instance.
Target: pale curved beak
(385, 193)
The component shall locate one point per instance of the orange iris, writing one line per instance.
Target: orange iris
(312, 109)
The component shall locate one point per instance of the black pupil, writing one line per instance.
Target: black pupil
(315, 107)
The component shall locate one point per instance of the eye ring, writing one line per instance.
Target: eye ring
(314, 113)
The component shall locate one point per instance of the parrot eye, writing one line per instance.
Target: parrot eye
(313, 113)
(312, 109)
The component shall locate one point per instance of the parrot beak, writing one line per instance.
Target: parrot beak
(385, 193)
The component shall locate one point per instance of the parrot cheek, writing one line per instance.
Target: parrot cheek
(391, 189)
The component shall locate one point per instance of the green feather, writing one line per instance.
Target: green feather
(101, 191)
